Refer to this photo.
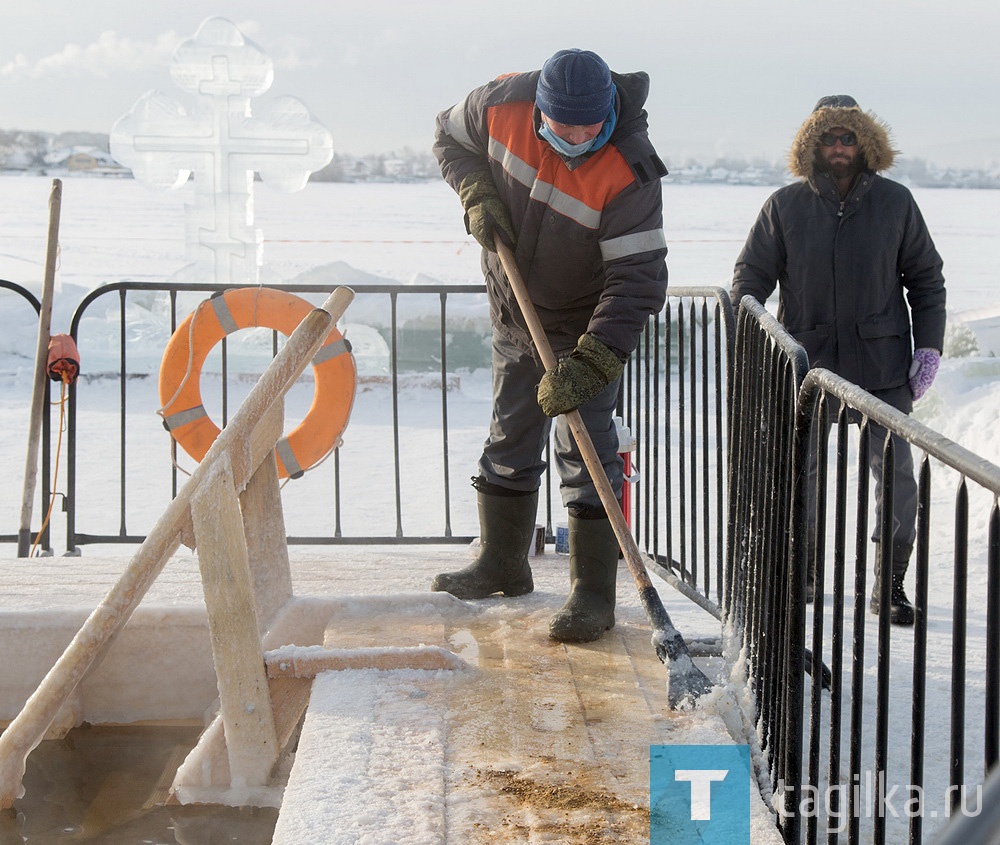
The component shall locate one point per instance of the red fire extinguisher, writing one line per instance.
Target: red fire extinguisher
(626, 446)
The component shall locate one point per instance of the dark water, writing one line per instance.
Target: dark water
(107, 784)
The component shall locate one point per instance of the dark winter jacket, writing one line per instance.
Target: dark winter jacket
(842, 266)
(590, 242)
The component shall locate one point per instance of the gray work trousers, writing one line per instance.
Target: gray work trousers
(904, 494)
(513, 455)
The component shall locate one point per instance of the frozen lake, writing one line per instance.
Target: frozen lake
(408, 233)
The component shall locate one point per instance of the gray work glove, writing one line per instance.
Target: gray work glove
(590, 368)
(485, 213)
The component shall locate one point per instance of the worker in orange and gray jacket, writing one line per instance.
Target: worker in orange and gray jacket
(558, 163)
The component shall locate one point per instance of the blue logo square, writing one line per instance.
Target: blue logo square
(699, 795)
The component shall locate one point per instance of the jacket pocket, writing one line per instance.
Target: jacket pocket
(885, 352)
(819, 344)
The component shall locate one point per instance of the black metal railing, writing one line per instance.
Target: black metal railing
(21, 390)
(411, 342)
(768, 369)
(955, 526)
(823, 724)
(675, 398)
(428, 354)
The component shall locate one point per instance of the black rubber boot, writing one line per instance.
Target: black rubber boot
(506, 529)
(900, 610)
(593, 566)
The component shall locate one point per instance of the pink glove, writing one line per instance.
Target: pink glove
(922, 370)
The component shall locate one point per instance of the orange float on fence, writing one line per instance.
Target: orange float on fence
(184, 414)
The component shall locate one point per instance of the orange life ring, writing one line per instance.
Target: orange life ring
(184, 415)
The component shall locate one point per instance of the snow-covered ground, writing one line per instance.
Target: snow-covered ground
(412, 233)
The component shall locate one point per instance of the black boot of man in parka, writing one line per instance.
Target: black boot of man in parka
(900, 610)
(593, 566)
(506, 530)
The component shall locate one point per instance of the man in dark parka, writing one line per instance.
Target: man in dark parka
(860, 284)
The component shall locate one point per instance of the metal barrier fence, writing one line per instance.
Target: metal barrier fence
(414, 346)
(856, 751)
(405, 341)
(768, 370)
(44, 489)
(676, 390)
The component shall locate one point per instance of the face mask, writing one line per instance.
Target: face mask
(573, 150)
(564, 147)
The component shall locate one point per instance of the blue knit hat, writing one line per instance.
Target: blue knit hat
(575, 88)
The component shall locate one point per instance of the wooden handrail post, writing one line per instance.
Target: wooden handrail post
(41, 362)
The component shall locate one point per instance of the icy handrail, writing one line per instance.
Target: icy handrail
(222, 144)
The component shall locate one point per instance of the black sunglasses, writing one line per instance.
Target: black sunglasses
(848, 139)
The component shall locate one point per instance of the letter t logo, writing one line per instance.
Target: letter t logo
(701, 789)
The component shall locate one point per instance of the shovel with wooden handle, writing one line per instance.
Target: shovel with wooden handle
(685, 681)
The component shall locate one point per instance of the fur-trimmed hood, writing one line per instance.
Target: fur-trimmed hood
(841, 110)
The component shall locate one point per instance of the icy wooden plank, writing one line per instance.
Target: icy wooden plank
(370, 765)
(232, 619)
(617, 715)
(264, 529)
(289, 699)
(309, 661)
(349, 629)
(520, 750)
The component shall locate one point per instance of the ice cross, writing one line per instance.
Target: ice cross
(222, 143)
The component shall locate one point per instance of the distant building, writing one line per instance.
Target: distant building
(81, 161)
(89, 161)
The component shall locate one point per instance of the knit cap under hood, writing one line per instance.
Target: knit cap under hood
(841, 110)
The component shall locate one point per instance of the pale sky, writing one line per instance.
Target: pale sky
(729, 77)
